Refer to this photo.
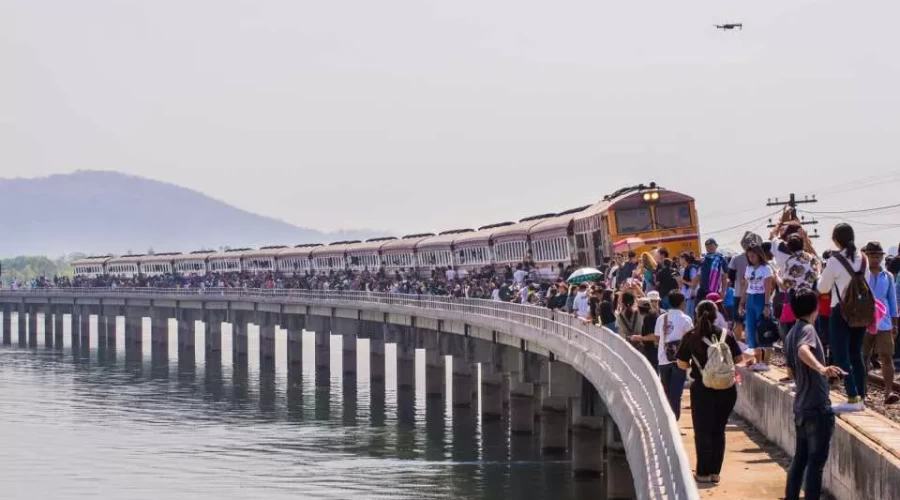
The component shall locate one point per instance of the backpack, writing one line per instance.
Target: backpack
(858, 303)
(719, 372)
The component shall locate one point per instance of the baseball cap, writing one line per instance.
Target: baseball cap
(712, 241)
(653, 296)
(715, 298)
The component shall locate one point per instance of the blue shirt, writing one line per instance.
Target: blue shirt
(713, 270)
(885, 290)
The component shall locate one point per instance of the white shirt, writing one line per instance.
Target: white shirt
(451, 274)
(519, 277)
(495, 294)
(581, 305)
(834, 274)
(756, 279)
(679, 324)
(779, 256)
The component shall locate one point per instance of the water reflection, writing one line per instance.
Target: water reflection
(191, 422)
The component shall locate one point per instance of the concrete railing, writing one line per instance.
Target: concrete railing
(625, 380)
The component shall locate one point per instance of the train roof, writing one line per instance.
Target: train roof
(369, 246)
(200, 255)
(443, 240)
(518, 231)
(161, 257)
(300, 250)
(93, 259)
(407, 244)
(128, 259)
(480, 238)
(266, 251)
(556, 226)
(336, 248)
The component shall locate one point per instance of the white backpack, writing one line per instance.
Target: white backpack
(719, 370)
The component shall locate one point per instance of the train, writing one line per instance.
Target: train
(636, 218)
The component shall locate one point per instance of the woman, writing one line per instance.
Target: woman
(608, 311)
(629, 321)
(845, 341)
(648, 271)
(649, 310)
(800, 268)
(710, 408)
(689, 280)
(756, 297)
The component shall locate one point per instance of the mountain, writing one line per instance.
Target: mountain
(108, 212)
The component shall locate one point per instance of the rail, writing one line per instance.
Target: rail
(625, 379)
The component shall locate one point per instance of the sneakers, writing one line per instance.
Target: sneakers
(760, 367)
(852, 405)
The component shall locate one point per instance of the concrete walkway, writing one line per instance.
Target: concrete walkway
(754, 468)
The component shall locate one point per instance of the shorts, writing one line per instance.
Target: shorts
(882, 343)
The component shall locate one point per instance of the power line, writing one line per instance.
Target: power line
(860, 211)
(758, 219)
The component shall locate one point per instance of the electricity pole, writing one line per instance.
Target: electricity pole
(792, 202)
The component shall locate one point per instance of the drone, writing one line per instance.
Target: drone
(730, 26)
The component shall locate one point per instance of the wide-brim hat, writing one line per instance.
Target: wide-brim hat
(873, 248)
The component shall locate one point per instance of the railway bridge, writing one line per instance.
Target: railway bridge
(546, 367)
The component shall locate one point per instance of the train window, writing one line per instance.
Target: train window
(633, 221)
(673, 216)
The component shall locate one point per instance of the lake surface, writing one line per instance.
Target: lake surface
(87, 422)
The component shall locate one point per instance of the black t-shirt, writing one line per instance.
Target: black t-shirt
(694, 347)
(649, 327)
(607, 313)
(666, 279)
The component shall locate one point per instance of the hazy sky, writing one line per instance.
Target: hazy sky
(413, 115)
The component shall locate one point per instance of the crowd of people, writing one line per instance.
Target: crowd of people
(693, 318)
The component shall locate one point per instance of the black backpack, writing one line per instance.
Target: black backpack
(858, 302)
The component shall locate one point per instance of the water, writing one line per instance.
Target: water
(85, 422)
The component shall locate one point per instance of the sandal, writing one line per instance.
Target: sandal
(703, 479)
(715, 478)
(892, 398)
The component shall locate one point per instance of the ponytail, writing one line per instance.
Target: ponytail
(845, 238)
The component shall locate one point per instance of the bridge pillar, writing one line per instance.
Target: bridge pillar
(59, 316)
(187, 328)
(240, 340)
(294, 324)
(7, 324)
(84, 328)
(22, 314)
(321, 325)
(406, 357)
(521, 407)
(349, 330)
(588, 432)
(213, 320)
(554, 422)
(47, 320)
(435, 364)
(267, 324)
(159, 329)
(374, 331)
(491, 393)
(32, 326)
(134, 325)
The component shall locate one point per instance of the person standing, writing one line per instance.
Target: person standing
(713, 272)
(882, 343)
(581, 304)
(646, 340)
(710, 407)
(608, 311)
(845, 341)
(670, 328)
(626, 270)
(798, 269)
(666, 281)
(759, 285)
(629, 322)
(813, 414)
(689, 278)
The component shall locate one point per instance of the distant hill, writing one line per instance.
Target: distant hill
(98, 212)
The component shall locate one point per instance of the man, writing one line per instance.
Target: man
(626, 270)
(666, 281)
(813, 415)
(736, 269)
(581, 302)
(520, 275)
(506, 293)
(882, 343)
(670, 328)
(450, 274)
(713, 272)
